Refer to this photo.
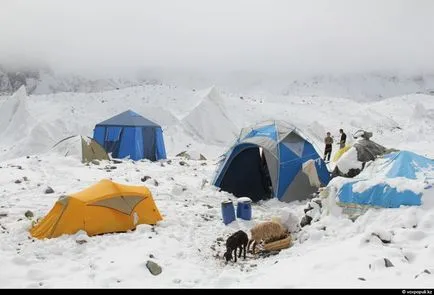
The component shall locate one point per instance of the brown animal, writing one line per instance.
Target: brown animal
(268, 231)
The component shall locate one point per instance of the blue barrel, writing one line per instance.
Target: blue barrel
(244, 208)
(228, 212)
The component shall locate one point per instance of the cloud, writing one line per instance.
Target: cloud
(219, 35)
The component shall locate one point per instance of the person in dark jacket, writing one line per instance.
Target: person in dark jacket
(343, 138)
(328, 140)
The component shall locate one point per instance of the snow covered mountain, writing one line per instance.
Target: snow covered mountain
(356, 86)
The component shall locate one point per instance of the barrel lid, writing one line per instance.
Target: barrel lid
(227, 202)
(244, 200)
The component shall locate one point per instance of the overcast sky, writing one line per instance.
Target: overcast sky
(219, 35)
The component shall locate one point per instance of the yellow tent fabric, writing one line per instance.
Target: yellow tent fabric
(340, 152)
(104, 207)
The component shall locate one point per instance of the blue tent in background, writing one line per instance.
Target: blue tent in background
(289, 167)
(129, 134)
(406, 165)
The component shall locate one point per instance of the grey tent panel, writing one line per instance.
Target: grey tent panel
(64, 200)
(120, 203)
(273, 169)
(264, 142)
(295, 143)
(299, 189)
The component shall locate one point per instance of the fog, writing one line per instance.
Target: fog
(306, 36)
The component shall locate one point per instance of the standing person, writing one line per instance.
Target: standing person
(328, 140)
(343, 138)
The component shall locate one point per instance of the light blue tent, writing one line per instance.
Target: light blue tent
(278, 171)
(131, 135)
(401, 166)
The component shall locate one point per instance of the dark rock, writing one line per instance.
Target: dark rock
(17, 181)
(220, 239)
(113, 167)
(95, 162)
(25, 178)
(309, 207)
(28, 214)
(169, 162)
(19, 167)
(382, 239)
(362, 279)
(49, 190)
(117, 161)
(27, 157)
(182, 163)
(3, 214)
(81, 242)
(306, 220)
(154, 268)
(151, 256)
(155, 182)
(425, 271)
(388, 263)
(183, 154)
(144, 178)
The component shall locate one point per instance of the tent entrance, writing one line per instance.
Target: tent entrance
(248, 176)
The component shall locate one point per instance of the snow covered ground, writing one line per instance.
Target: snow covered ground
(333, 252)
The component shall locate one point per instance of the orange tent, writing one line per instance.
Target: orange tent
(104, 207)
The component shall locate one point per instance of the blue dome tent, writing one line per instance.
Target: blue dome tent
(271, 159)
(129, 134)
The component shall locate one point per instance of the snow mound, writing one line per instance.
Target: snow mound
(349, 161)
(209, 122)
(19, 130)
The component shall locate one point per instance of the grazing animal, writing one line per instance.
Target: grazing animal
(268, 231)
(235, 241)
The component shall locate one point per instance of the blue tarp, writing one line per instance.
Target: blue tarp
(130, 135)
(402, 164)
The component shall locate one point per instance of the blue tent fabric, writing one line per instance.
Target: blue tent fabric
(129, 118)
(407, 164)
(380, 195)
(403, 164)
(131, 135)
(278, 173)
